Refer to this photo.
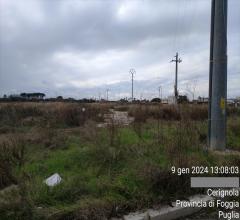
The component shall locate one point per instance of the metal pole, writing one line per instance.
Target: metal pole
(176, 76)
(177, 60)
(132, 72)
(107, 93)
(219, 78)
(132, 86)
(99, 96)
(160, 92)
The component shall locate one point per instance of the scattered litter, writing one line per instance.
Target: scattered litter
(53, 180)
(83, 109)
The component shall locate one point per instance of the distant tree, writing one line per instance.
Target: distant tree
(156, 100)
(4, 96)
(183, 99)
(123, 100)
(35, 95)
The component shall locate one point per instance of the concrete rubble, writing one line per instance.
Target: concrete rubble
(116, 118)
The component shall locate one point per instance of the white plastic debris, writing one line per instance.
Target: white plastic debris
(83, 109)
(53, 180)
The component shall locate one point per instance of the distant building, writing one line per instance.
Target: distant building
(202, 100)
(171, 100)
(164, 101)
(231, 101)
(237, 102)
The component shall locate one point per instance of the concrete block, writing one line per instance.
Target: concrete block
(136, 216)
(170, 213)
(167, 212)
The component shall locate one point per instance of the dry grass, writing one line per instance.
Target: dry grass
(50, 114)
(93, 209)
(12, 151)
(169, 112)
(140, 117)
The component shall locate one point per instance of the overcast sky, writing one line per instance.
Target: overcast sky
(78, 48)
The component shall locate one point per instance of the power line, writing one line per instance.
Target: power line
(176, 26)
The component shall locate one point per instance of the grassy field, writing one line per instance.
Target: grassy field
(106, 170)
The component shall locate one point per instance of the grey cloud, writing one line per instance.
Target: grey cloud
(99, 44)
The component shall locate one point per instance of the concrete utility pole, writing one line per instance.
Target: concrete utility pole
(160, 92)
(99, 96)
(218, 75)
(176, 60)
(210, 69)
(107, 90)
(132, 72)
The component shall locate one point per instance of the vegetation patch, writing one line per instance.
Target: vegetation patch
(106, 171)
